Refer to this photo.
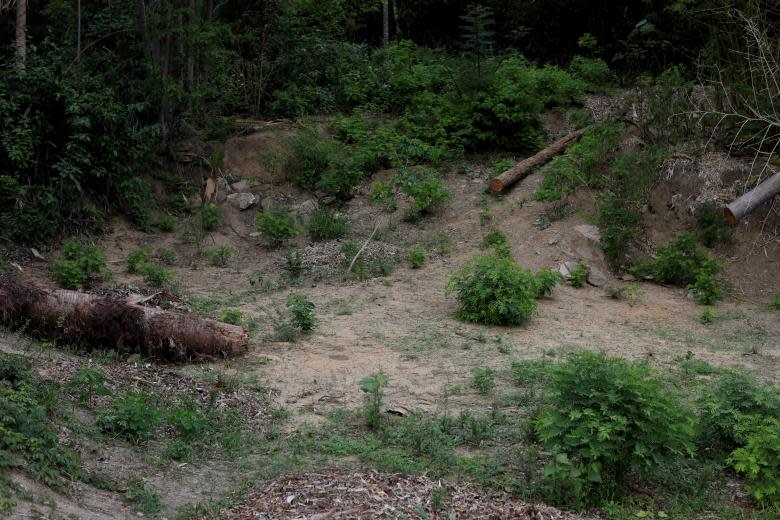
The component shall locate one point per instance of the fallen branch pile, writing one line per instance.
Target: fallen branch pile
(116, 324)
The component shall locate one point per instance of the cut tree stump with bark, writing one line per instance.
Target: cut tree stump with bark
(752, 199)
(116, 324)
(524, 167)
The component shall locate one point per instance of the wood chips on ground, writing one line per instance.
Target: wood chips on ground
(352, 495)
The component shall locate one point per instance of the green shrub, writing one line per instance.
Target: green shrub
(380, 191)
(293, 262)
(483, 380)
(774, 304)
(683, 262)
(594, 71)
(325, 224)
(138, 260)
(494, 238)
(712, 225)
(220, 256)
(579, 275)
(494, 290)
(166, 256)
(188, 421)
(209, 217)
(707, 316)
(546, 280)
(133, 416)
(136, 198)
(277, 226)
(30, 438)
(373, 387)
(87, 383)
(231, 316)
(416, 258)
(728, 403)
(759, 460)
(426, 192)
(79, 265)
(302, 312)
(609, 416)
(156, 275)
(310, 158)
(165, 223)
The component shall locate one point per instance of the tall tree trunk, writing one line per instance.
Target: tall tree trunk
(21, 33)
(78, 31)
(191, 48)
(386, 35)
(397, 18)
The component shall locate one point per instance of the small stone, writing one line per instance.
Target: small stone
(566, 268)
(240, 186)
(305, 210)
(628, 277)
(589, 231)
(267, 203)
(596, 278)
(554, 240)
(223, 186)
(37, 254)
(220, 197)
(242, 201)
(254, 234)
(327, 200)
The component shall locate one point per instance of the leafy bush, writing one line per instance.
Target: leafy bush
(209, 217)
(774, 304)
(730, 402)
(133, 416)
(79, 264)
(165, 222)
(683, 262)
(137, 261)
(483, 380)
(220, 256)
(609, 416)
(426, 192)
(494, 290)
(325, 224)
(166, 256)
(142, 262)
(579, 275)
(374, 388)
(593, 71)
(188, 421)
(30, 438)
(493, 239)
(416, 257)
(277, 226)
(310, 158)
(302, 311)
(759, 460)
(136, 198)
(712, 226)
(707, 316)
(546, 280)
(231, 316)
(87, 383)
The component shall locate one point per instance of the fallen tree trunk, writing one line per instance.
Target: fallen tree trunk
(116, 324)
(524, 167)
(752, 199)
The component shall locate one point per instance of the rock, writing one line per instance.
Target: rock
(223, 186)
(242, 201)
(628, 278)
(254, 234)
(566, 268)
(554, 240)
(195, 201)
(327, 200)
(305, 210)
(596, 278)
(588, 231)
(267, 203)
(240, 186)
(220, 197)
(37, 254)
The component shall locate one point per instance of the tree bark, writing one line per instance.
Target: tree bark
(397, 18)
(116, 324)
(21, 34)
(78, 31)
(752, 199)
(524, 167)
(386, 35)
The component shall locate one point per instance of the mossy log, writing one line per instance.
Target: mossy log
(116, 324)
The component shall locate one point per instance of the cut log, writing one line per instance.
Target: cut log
(524, 167)
(752, 199)
(116, 324)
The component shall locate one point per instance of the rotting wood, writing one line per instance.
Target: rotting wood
(524, 167)
(752, 199)
(116, 324)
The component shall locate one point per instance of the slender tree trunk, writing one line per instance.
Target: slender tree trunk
(386, 35)
(191, 47)
(397, 18)
(78, 31)
(21, 34)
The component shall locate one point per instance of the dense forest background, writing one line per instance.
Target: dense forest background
(104, 87)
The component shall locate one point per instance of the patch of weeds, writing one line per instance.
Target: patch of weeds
(373, 388)
(381, 266)
(579, 275)
(531, 372)
(165, 222)
(774, 304)
(485, 215)
(276, 226)
(707, 316)
(380, 191)
(87, 383)
(698, 367)
(759, 460)
(493, 239)
(302, 312)
(220, 256)
(683, 262)
(712, 226)
(416, 258)
(209, 217)
(326, 224)
(133, 416)
(630, 292)
(141, 262)
(166, 256)
(483, 380)
(231, 316)
(426, 192)
(546, 280)
(144, 501)
(79, 265)
(294, 263)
